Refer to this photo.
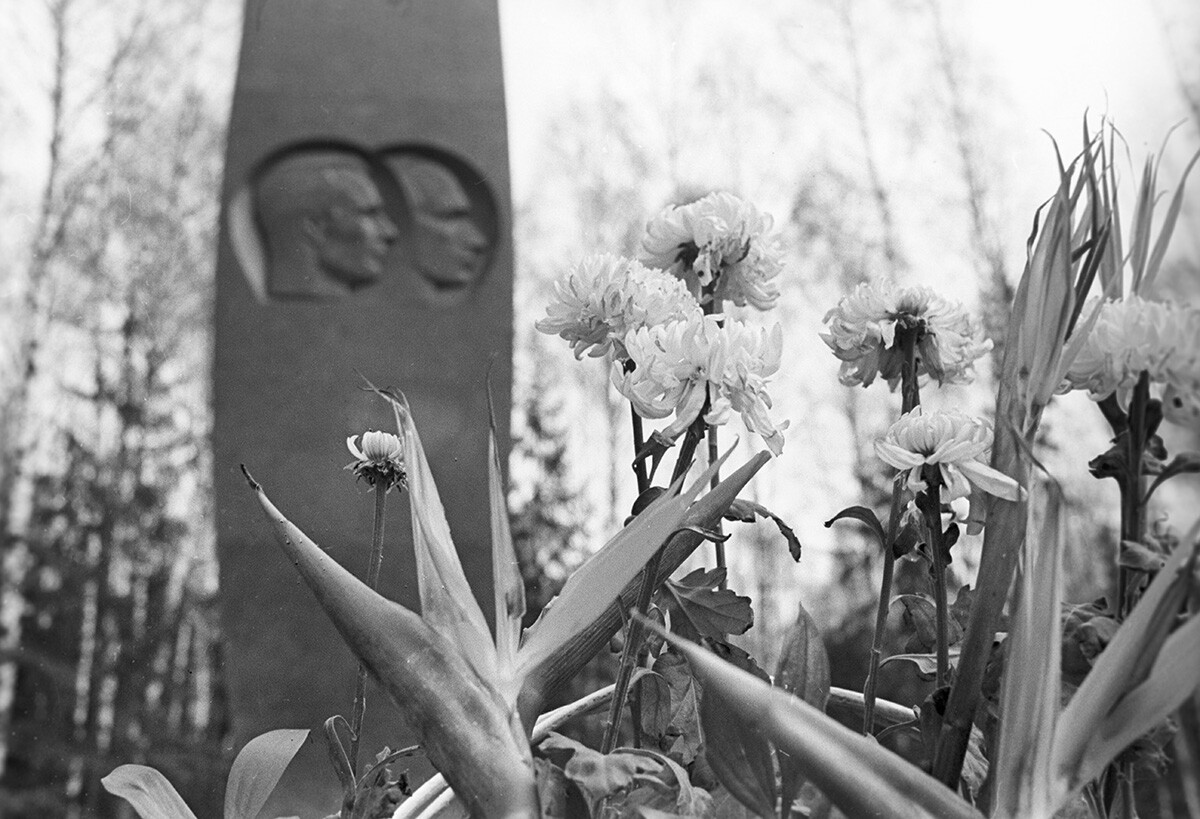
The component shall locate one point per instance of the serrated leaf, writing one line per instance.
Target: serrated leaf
(148, 791)
(864, 516)
(738, 753)
(921, 614)
(803, 670)
(700, 609)
(257, 769)
(747, 511)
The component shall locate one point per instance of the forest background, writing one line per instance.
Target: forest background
(893, 142)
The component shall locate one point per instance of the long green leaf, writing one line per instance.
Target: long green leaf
(595, 585)
(447, 602)
(1031, 682)
(1167, 228)
(857, 774)
(148, 791)
(257, 769)
(508, 585)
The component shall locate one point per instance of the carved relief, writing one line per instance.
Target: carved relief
(312, 223)
(453, 228)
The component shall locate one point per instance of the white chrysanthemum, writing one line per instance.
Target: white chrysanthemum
(681, 364)
(604, 297)
(862, 334)
(1135, 335)
(954, 442)
(719, 237)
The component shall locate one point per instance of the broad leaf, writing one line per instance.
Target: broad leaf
(859, 776)
(746, 511)
(699, 608)
(148, 791)
(593, 587)
(737, 752)
(655, 705)
(803, 670)
(257, 769)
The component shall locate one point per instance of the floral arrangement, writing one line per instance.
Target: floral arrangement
(1045, 709)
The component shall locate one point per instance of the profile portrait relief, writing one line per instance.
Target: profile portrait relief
(319, 227)
(451, 240)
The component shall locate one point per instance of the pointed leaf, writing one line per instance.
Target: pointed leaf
(508, 585)
(1182, 464)
(1167, 228)
(803, 670)
(737, 752)
(148, 791)
(447, 603)
(1031, 685)
(699, 608)
(655, 694)
(865, 516)
(593, 587)
(471, 736)
(859, 776)
(257, 769)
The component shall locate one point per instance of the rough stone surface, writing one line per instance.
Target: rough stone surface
(365, 230)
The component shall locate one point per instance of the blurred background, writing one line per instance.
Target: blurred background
(893, 142)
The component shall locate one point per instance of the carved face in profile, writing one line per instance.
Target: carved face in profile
(352, 234)
(449, 249)
(324, 225)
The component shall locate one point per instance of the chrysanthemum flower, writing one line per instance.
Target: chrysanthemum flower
(1136, 335)
(380, 460)
(954, 443)
(681, 364)
(863, 327)
(723, 238)
(604, 297)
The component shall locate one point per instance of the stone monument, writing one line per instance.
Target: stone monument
(365, 229)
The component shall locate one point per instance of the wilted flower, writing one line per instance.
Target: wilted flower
(1136, 335)
(723, 238)
(604, 297)
(681, 364)
(863, 328)
(954, 442)
(380, 460)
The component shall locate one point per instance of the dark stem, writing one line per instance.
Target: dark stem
(931, 506)
(711, 307)
(360, 682)
(640, 469)
(910, 398)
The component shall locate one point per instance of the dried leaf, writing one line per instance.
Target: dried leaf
(748, 511)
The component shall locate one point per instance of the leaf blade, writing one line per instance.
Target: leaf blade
(148, 791)
(257, 769)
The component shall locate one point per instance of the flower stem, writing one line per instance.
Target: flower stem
(360, 683)
(931, 507)
(640, 471)
(710, 307)
(910, 398)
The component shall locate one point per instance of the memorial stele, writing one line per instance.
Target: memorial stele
(365, 234)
